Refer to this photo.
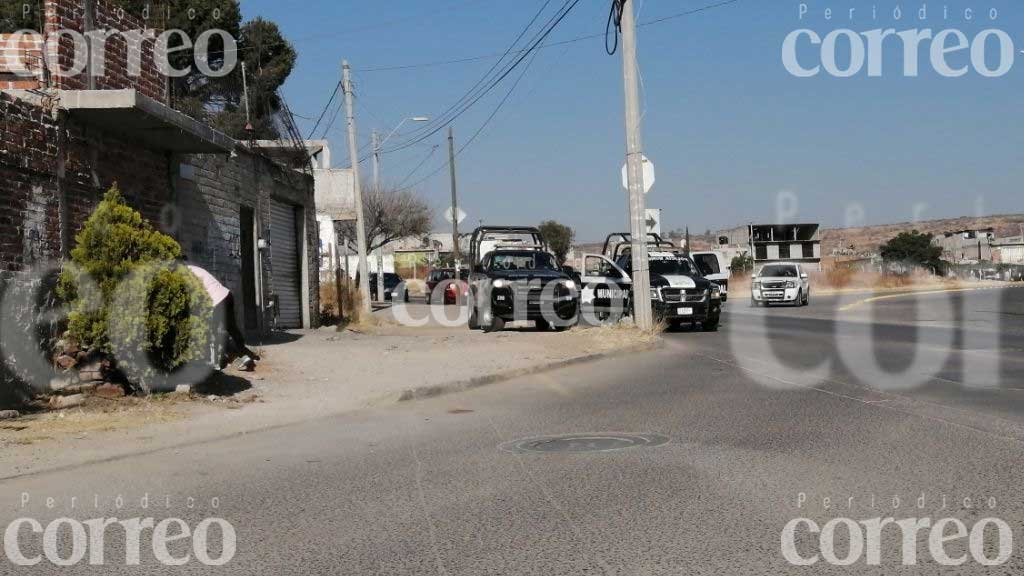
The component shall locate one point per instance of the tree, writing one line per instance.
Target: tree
(742, 264)
(127, 295)
(391, 215)
(559, 238)
(269, 59)
(914, 248)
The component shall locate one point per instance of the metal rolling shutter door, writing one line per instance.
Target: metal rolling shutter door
(285, 253)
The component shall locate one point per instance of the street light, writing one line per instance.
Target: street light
(378, 146)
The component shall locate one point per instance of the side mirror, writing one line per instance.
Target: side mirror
(804, 276)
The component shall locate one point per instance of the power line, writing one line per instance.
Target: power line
(562, 43)
(487, 74)
(482, 127)
(448, 118)
(334, 95)
(469, 59)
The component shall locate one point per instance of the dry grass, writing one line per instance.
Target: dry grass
(621, 335)
(97, 415)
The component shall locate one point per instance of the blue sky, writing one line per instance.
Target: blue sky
(724, 122)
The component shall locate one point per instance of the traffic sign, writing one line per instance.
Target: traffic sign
(448, 215)
(653, 220)
(648, 171)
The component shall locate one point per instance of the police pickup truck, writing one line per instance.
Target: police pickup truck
(514, 276)
(679, 292)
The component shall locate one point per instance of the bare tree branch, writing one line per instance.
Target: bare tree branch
(391, 215)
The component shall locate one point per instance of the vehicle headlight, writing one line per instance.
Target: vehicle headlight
(655, 294)
(570, 284)
(790, 284)
(756, 285)
(716, 292)
(499, 283)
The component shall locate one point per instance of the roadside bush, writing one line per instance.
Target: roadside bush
(128, 296)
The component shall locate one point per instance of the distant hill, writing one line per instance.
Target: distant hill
(867, 239)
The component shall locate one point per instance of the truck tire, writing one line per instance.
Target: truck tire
(497, 325)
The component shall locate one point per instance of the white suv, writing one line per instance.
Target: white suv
(785, 283)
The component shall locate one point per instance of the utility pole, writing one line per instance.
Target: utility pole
(455, 200)
(353, 153)
(635, 175)
(376, 190)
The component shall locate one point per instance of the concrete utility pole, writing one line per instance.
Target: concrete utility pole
(353, 153)
(455, 200)
(635, 175)
(376, 191)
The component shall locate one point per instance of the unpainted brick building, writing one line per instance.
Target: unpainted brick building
(65, 140)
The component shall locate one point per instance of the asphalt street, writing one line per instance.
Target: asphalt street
(781, 415)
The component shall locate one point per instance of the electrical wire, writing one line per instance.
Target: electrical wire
(495, 66)
(482, 127)
(614, 18)
(447, 118)
(574, 40)
(326, 108)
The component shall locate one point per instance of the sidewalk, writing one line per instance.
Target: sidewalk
(304, 375)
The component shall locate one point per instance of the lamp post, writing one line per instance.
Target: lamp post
(378, 146)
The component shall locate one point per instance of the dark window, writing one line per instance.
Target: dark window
(784, 251)
(809, 250)
(761, 252)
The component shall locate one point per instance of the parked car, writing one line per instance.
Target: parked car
(713, 266)
(454, 289)
(391, 282)
(512, 266)
(780, 283)
(679, 292)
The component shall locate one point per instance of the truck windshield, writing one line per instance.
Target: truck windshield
(672, 267)
(779, 272)
(523, 261)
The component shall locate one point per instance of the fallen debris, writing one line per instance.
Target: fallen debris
(63, 402)
(9, 414)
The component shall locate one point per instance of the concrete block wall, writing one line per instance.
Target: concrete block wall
(210, 191)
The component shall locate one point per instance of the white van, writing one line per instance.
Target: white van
(714, 267)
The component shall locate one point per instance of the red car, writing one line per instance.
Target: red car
(455, 291)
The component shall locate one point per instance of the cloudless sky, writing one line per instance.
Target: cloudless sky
(724, 122)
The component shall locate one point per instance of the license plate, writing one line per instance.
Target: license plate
(774, 294)
(684, 311)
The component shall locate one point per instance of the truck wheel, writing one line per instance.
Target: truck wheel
(496, 325)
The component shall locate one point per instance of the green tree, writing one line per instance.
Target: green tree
(914, 248)
(742, 264)
(126, 294)
(269, 59)
(559, 238)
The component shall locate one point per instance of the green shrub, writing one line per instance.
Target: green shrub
(129, 298)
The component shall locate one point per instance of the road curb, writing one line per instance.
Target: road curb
(434, 390)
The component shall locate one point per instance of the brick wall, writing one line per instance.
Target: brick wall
(44, 158)
(70, 15)
(21, 61)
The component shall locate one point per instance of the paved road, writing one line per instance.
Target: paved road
(426, 487)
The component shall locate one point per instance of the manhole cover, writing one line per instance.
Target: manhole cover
(578, 443)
